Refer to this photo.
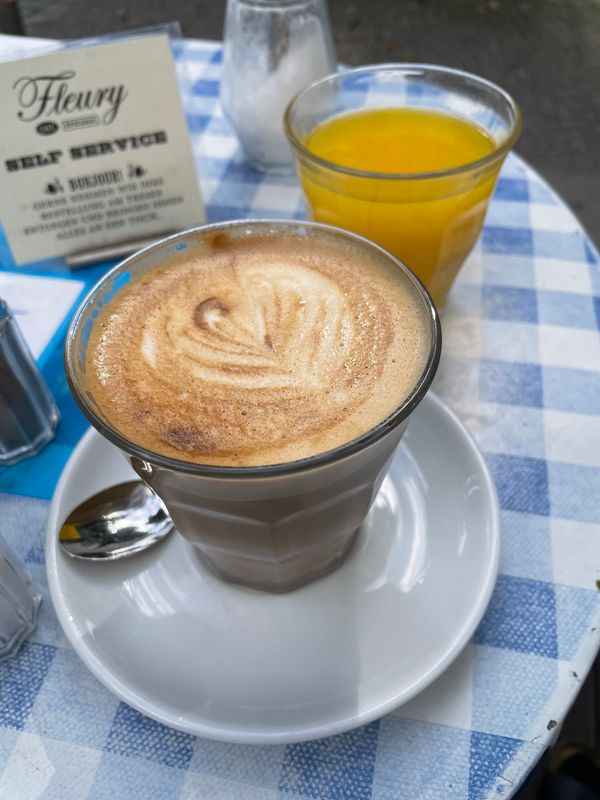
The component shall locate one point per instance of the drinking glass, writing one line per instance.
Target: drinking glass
(28, 414)
(430, 220)
(272, 527)
(18, 602)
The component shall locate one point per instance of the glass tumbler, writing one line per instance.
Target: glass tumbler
(28, 414)
(272, 49)
(430, 220)
(274, 527)
(19, 602)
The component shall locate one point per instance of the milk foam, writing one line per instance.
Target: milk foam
(260, 351)
(268, 328)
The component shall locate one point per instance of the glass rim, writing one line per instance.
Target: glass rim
(499, 152)
(398, 415)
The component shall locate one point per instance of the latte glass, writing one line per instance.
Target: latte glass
(271, 527)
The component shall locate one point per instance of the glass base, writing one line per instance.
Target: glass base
(278, 578)
(33, 447)
(271, 168)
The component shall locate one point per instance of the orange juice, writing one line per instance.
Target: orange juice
(430, 221)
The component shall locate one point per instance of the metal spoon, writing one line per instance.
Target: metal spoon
(115, 523)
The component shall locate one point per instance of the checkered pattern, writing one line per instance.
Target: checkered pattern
(521, 366)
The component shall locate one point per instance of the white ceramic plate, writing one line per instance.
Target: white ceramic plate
(229, 663)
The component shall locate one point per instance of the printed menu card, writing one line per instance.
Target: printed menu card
(94, 149)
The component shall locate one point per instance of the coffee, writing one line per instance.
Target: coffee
(258, 350)
(257, 343)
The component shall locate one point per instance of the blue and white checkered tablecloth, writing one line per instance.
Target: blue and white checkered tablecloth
(521, 367)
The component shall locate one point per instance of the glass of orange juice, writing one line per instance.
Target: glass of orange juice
(406, 155)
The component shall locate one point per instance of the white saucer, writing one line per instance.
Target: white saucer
(230, 663)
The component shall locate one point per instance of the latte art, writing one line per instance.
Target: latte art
(286, 328)
(265, 350)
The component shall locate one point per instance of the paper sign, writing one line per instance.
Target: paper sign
(38, 304)
(94, 149)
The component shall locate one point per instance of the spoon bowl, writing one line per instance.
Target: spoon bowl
(115, 523)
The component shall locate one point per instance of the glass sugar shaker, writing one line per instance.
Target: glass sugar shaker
(272, 50)
(28, 414)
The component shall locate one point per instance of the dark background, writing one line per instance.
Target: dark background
(546, 53)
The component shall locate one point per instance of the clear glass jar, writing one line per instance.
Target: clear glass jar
(19, 602)
(28, 414)
(272, 50)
